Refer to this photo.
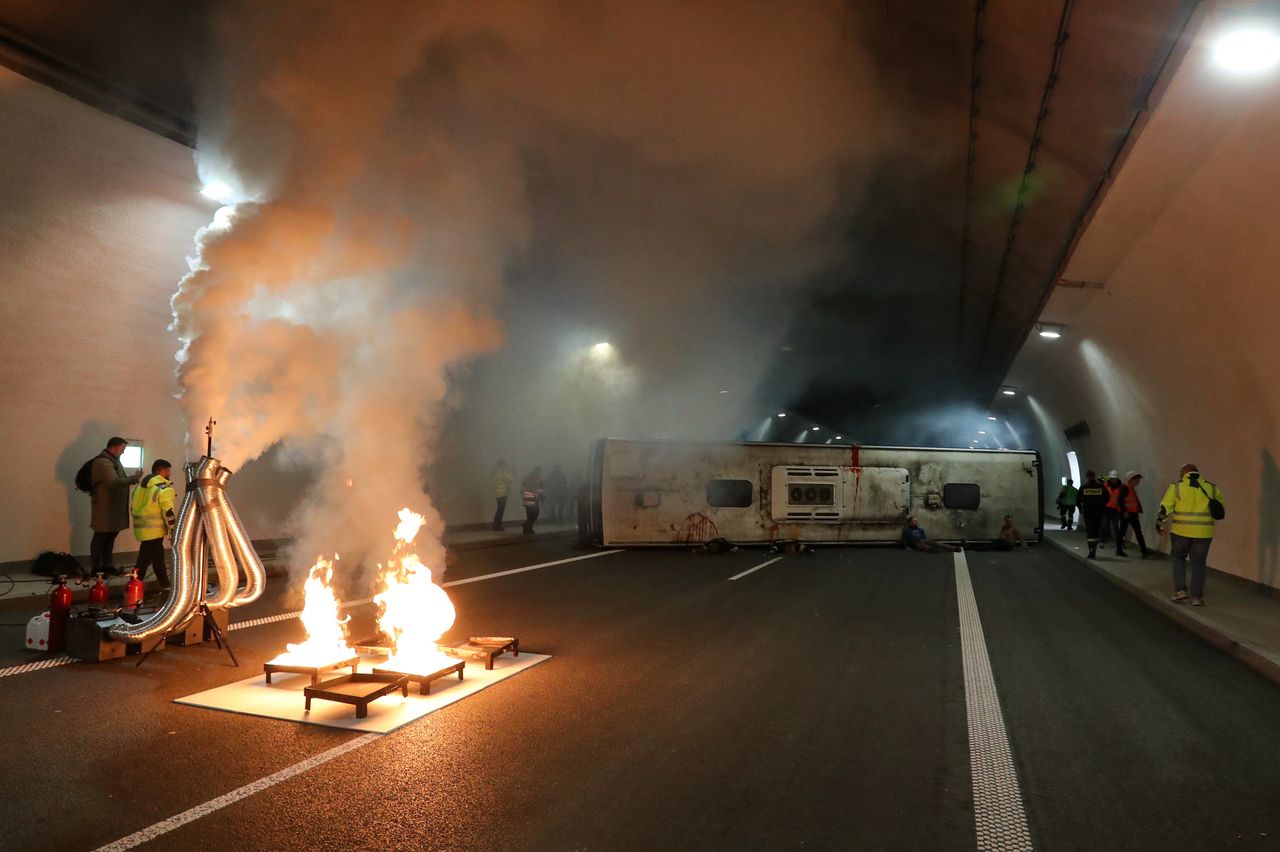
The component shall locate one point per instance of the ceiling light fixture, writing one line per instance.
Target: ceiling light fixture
(218, 190)
(1049, 330)
(1247, 50)
(1008, 390)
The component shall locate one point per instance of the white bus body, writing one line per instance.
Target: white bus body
(673, 493)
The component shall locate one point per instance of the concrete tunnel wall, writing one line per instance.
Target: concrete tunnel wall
(97, 219)
(1174, 358)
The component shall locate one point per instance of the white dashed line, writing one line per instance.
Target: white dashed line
(757, 568)
(998, 815)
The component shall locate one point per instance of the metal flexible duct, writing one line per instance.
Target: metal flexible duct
(214, 514)
(255, 576)
(188, 577)
(207, 526)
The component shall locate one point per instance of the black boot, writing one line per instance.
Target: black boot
(1093, 552)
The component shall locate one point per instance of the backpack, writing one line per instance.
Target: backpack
(84, 476)
(51, 564)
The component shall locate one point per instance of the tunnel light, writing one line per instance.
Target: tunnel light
(839, 437)
(815, 428)
(981, 432)
(218, 191)
(782, 414)
(724, 390)
(992, 418)
(1050, 331)
(1248, 50)
(602, 351)
(1008, 390)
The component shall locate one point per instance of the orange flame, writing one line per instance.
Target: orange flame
(413, 612)
(326, 629)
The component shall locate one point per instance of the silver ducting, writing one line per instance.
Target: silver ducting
(208, 528)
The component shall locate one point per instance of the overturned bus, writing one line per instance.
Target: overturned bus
(654, 493)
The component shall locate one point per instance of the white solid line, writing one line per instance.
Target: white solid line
(192, 814)
(757, 568)
(998, 815)
(526, 568)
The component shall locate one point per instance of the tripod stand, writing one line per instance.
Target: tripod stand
(210, 623)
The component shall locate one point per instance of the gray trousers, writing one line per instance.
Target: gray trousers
(1195, 549)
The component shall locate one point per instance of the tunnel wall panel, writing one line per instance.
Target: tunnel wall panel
(1174, 358)
(97, 219)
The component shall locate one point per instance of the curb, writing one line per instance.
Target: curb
(1245, 653)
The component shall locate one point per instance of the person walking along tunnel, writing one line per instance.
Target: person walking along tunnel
(1093, 500)
(1191, 506)
(1132, 519)
(1113, 511)
(501, 485)
(1067, 505)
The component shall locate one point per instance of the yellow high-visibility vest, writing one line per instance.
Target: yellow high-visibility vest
(152, 502)
(1187, 507)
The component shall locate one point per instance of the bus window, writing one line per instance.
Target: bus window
(961, 495)
(729, 493)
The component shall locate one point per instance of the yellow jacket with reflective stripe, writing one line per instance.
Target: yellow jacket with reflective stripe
(1187, 508)
(152, 507)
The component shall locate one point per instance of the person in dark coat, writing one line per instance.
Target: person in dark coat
(109, 504)
(1093, 502)
(557, 495)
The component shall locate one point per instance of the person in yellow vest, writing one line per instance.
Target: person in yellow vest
(501, 485)
(153, 517)
(1188, 506)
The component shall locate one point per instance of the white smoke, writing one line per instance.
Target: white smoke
(669, 169)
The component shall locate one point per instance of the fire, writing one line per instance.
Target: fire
(326, 629)
(413, 612)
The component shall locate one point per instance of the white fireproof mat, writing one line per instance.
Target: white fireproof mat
(283, 698)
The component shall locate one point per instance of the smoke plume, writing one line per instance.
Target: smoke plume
(423, 181)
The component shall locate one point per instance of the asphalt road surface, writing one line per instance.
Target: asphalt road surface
(817, 703)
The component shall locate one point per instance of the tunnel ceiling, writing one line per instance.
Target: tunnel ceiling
(1010, 116)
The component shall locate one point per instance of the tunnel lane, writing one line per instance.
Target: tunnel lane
(822, 703)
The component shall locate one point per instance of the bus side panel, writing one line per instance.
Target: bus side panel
(656, 492)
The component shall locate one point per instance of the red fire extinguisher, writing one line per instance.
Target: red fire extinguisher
(133, 591)
(99, 594)
(59, 613)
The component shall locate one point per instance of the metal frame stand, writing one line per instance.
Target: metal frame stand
(219, 637)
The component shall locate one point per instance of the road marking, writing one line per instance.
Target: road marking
(285, 616)
(199, 811)
(757, 568)
(192, 814)
(50, 663)
(527, 568)
(998, 815)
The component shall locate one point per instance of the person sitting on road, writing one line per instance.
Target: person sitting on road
(915, 538)
(1009, 535)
